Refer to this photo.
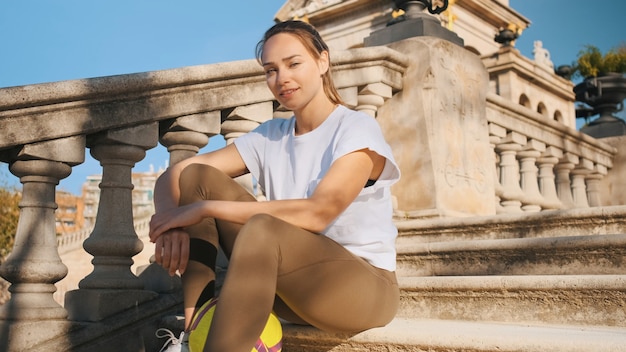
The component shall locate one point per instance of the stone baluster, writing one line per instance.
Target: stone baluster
(593, 184)
(529, 175)
(496, 133)
(509, 172)
(547, 186)
(186, 135)
(563, 181)
(350, 96)
(372, 96)
(111, 287)
(34, 265)
(579, 188)
(241, 120)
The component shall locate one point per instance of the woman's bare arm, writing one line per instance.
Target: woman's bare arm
(339, 187)
(333, 195)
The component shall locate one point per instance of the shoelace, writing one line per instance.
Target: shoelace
(163, 332)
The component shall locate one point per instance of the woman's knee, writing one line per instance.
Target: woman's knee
(256, 239)
(195, 173)
(261, 227)
(205, 182)
(260, 232)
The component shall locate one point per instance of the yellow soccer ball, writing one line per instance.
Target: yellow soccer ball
(271, 339)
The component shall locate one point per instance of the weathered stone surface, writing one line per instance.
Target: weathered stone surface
(428, 335)
(437, 128)
(583, 300)
(567, 255)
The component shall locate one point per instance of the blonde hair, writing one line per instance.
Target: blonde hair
(312, 41)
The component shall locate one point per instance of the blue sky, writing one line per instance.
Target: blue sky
(54, 40)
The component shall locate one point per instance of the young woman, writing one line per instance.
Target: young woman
(321, 249)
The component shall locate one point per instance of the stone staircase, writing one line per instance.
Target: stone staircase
(551, 281)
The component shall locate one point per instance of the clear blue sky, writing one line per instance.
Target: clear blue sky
(54, 40)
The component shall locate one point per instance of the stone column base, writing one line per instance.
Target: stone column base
(24, 335)
(96, 305)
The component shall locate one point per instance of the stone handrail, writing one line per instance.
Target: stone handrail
(541, 164)
(45, 130)
(36, 113)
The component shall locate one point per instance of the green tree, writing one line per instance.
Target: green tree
(591, 62)
(9, 214)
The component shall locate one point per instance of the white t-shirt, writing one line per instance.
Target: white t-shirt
(287, 166)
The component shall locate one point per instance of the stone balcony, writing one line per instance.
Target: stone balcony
(463, 153)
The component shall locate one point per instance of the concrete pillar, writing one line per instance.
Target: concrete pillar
(593, 189)
(579, 188)
(34, 266)
(532, 198)
(112, 287)
(547, 185)
(185, 136)
(563, 182)
(437, 128)
(512, 193)
(594, 185)
(371, 97)
(496, 133)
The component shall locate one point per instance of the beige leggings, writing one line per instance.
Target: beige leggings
(306, 278)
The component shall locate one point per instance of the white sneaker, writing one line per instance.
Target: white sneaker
(173, 344)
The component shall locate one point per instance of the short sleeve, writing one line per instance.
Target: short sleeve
(361, 131)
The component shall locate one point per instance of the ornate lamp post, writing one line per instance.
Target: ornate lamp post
(605, 94)
(413, 23)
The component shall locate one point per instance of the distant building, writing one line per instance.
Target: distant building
(143, 192)
(77, 212)
(69, 214)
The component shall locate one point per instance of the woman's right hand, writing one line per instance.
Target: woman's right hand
(171, 251)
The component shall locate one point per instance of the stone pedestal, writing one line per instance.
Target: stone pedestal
(420, 25)
(437, 128)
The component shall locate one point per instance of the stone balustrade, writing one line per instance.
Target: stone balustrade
(72, 241)
(540, 163)
(45, 130)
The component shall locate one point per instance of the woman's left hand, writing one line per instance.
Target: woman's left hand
(174, 218)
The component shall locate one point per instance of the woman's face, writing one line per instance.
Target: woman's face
(292, 74)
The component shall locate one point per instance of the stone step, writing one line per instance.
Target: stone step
(579, 255)
(554, 223)
(545, 299)
(404, 334)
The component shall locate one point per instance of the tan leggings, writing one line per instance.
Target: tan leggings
(305, 278)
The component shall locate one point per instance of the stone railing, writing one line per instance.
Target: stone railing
(72, 241)
(45, 130)
(540, 163)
